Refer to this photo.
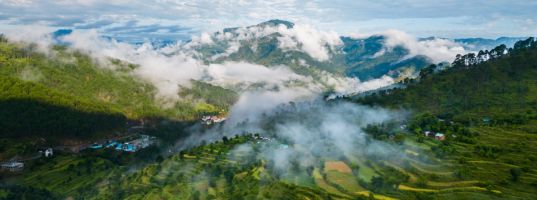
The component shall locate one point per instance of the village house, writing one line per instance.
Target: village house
(96, 146)
(111, 144)
(208, 120)
(49, 152)
(486, 120)
(13, 166)
(260, 139)
(427, 133)
(439, 136)
(142, 142)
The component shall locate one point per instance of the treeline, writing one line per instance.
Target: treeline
(502, 89)
(471, 59)
(30, 109)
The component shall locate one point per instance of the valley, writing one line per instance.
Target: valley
(257, 112)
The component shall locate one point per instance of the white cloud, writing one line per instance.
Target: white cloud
(169, 72)
(38, 35)
(309, 40)
(236, 73)
(437, 49)
(305, 38)
(416, 16)
(16, 3)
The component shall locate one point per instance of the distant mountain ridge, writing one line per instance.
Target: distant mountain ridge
(476, 44)
(364, 58)
(265, 44)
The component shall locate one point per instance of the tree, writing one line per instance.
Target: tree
(159, 159)
(399, 138)
(427, 71)
(515, 174)
(377, 183)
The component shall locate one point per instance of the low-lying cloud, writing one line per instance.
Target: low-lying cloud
(274, 100)
(173, 67)
(317, 44)
(306, 133)
(437, 49)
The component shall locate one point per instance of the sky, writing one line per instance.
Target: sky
(180, 19)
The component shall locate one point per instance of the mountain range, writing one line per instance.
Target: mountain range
(432, 124)
(365, 57)
(77, 78)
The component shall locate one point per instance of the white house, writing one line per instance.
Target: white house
(13, 166)
(439, 136)
(49, 152)
(427, 133)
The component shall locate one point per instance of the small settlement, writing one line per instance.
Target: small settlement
(133, 145)
(13, 166)
(16, 164)
(437, 136)
(267, 140)
(259, 139)
(212, 119)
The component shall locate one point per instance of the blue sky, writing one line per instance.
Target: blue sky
(179, 19)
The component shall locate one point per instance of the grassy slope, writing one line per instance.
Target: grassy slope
(504, 90)
(498, 88)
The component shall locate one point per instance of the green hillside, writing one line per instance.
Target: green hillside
(499, 89)
(496, 100)
(70, 94)
(78, 74)
(31, 109)
(478, 159)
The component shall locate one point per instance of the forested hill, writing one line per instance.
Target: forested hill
(499, 85)
(67, 93)
(31, 109)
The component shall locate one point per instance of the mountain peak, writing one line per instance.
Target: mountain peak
(277, 22)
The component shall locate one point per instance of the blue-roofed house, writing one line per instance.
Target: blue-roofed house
(129, 148)
(119, 147)
(96, 146)
(111, 144)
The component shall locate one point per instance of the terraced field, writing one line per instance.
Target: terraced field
(223, 171)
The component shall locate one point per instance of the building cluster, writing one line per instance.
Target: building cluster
(12, 166)
(128, 146)
(437, 136)
(212, 119)
(16, 164)
(258, 139)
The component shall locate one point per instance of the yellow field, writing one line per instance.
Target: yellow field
(377, 196)
(337, 166)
